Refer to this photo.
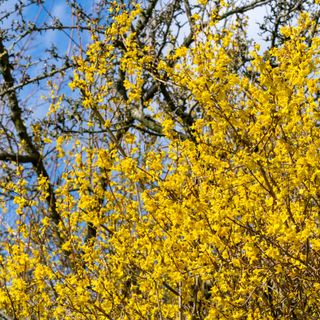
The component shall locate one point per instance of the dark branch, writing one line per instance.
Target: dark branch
(16, 117)
(4, 156)
(35, 79)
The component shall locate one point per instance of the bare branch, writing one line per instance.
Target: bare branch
(3, 316)
(35, 79)
(16, 117)
(16, 157)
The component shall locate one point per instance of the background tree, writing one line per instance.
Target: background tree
(178, 180)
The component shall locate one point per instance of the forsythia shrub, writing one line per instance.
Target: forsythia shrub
(220, 223)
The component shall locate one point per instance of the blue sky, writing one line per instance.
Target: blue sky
(50, 12)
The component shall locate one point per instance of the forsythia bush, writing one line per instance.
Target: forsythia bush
(220, 223)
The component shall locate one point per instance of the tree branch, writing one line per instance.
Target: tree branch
(25, 158)
(34, 79)
(3, 316)
(16, 117)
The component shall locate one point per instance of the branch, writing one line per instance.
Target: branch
(4, 156)
(3, 316)
(146, 121)
(186, 117)
(16, 118)
(145, 16)
(253, 5)
(248, 7)
(188, 13)
(137, 114)
(171, 289)
(34, 79)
